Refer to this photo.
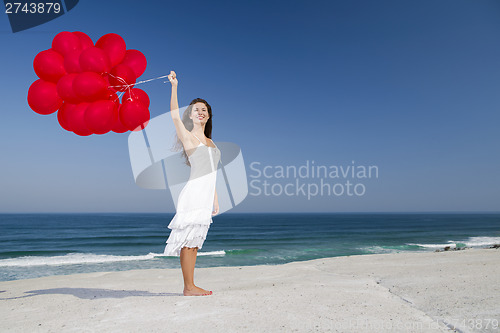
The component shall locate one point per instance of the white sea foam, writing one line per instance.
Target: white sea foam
(470, 242)
(379, 249)
(434, 246)
(482, 241)
(210, 253)
(82, 258)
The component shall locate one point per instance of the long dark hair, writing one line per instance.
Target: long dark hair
(188, 123)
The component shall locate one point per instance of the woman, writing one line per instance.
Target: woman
(197, 201)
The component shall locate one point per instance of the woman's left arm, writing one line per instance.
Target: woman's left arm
(216, 205)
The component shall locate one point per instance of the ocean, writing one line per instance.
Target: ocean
(37, 245)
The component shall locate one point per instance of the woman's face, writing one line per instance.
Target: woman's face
(199, 113)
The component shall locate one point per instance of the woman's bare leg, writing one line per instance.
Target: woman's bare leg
(188, 260)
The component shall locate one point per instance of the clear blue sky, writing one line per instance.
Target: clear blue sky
(412, 87)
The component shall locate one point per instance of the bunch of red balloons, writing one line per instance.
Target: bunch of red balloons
(80, 80)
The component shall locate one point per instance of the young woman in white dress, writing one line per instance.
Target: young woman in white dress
(192, 140)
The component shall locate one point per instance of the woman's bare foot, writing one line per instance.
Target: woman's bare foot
(196, 291)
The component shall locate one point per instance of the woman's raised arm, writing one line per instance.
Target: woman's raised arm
(181, 130)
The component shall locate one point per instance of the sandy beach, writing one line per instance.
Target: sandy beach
(400, 292)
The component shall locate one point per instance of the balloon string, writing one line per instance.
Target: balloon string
(120, 79)
(127, 86)
(134, 84)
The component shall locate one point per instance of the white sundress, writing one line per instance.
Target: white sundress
(194, 208)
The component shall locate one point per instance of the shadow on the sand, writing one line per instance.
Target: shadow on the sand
(93, 293)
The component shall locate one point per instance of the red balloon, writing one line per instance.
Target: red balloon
(90, 86)
(99, 116)
(76, 120)
(107, 77)
(134, 115)
(136, 94)
(114, 46)
(112, 96)
(136, 61)
(72, 62)
(62, 115)
(66, 42)
(121, 76)
(85, 40)
(49, 65)
(117, 105)
(43, 97)
(118, 127)
(94, 59)
(65, 89)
